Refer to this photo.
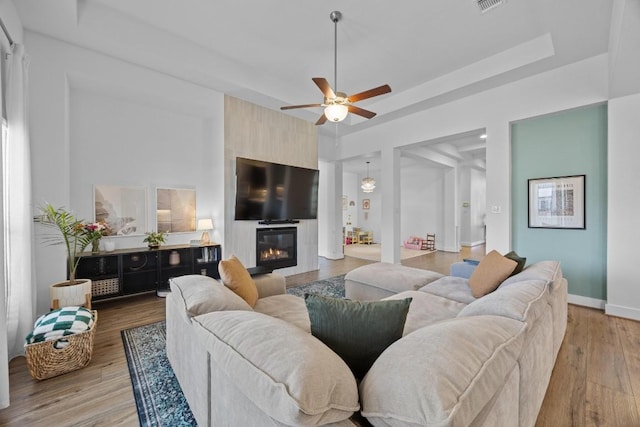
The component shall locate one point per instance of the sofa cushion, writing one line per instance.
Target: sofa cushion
(441, 384)
(289, 308)
(202, 294)
(549, 271)
(522, 261)
(287, 373)
(524, 300)
(392, 277)
(426, 309)
(357, 331)
(492, 270)
(453, 288)
(236, 277)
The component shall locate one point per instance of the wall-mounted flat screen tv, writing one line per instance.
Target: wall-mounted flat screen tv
(275, 192)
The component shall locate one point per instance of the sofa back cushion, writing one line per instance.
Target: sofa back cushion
(525, 301)
(451, 287)
(548, 271)
(202, 294)
(287, 373)
(443, 374)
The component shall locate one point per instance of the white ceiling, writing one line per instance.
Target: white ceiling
(428, 51)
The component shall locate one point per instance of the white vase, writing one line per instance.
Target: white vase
(109, 245)
(174, 258)
(64, 294)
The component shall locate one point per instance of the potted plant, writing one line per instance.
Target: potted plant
(154, 239)
(75, 236)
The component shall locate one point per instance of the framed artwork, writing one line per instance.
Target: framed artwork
(124, 209)
(345, 203)
(175, 210)
(366, 203)
(557, 202)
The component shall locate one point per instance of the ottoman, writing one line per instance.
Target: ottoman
(380, 280)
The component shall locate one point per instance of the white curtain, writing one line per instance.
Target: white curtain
(17, 210)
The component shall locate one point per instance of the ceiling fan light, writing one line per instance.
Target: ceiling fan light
(336, 112)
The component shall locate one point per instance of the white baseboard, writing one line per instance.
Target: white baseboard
(621, 311)
(586, 301)
(332, 256)
(472, 244)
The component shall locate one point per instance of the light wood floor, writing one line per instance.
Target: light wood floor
(596, 380)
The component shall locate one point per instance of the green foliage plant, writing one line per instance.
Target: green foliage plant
(71, 233)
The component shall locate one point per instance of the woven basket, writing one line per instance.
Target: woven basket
(46, 361)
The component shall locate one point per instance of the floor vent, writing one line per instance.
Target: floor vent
(487, 5)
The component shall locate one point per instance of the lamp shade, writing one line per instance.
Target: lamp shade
(205, 224)
(336, 112)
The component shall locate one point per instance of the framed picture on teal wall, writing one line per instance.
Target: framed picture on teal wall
(557, 202)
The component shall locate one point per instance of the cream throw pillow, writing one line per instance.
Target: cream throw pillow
(236, 277)
(492, 270)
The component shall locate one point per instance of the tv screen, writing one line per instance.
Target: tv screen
(275, 192)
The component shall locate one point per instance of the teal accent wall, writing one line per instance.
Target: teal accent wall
(561, 144)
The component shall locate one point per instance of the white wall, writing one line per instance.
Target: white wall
(578, 84)
(350, 188)
(98, 120)
(623, 234)
(330, 210)
(478, 205)
(422, 202)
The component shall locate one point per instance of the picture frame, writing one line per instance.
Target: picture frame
(557, 202)
(345, 203)
(122, 208)
(366, 204)
(175, 210)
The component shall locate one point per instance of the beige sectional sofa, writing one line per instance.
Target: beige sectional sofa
(462, 361)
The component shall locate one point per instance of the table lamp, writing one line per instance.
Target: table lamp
(205, 225)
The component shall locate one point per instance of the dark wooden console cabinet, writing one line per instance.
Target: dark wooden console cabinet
(132, 271)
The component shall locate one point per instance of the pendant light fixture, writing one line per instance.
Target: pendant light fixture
(368, 183)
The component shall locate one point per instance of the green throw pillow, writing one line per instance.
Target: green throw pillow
(357, 331)
(520, 260)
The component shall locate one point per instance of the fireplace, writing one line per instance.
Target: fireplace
(276, 248)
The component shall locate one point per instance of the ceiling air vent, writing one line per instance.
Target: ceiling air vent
(487, 5)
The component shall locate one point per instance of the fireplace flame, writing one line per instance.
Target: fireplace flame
(273, 253)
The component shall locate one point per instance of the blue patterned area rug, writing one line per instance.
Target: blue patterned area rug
(332, 287)
(159, 398)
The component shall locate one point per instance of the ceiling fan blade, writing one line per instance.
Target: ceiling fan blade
(361, 111)
(291, 107)
(321, 120)
(324, 86)
(380, 90)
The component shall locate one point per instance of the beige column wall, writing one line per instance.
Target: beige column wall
(259, 133)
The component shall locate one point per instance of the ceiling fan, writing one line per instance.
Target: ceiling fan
(339, 104)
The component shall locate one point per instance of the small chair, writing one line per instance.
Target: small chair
(429, 244)
(367, 237)
(356, 235)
